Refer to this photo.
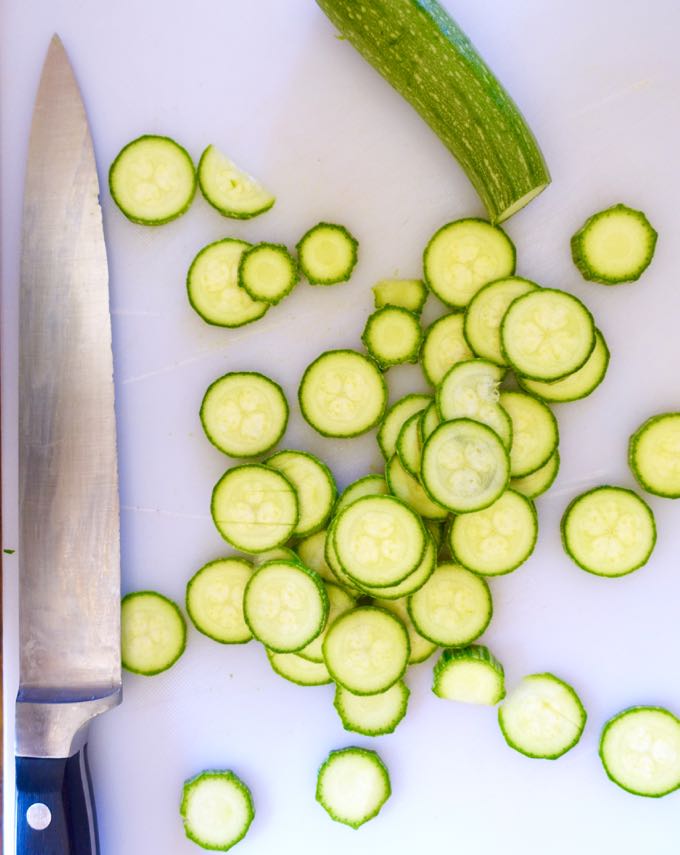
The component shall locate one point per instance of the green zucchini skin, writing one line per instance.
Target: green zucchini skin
(428, 59)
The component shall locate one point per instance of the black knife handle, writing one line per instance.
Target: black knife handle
(55, 812)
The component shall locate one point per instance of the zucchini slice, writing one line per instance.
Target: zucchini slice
(535, 435)
(369, 485)
(372, 715)
(654, 455)
(214, 600)
(342, 394)
(424, 55)
(539, 481)
(444, 345)
(465, 255)
(314, 485)
(339, 602)
(311, 551)
(469, 675)
(254, 508)
(421, 648)
(230, 190)
(470, 390)
(285, 605)
(613, 246)
(268, 272)
(547, 334)
(609, 531)
(412, 582)
(392, 335)
(295, 669)
(409, 445)
(327, 254)
(153, 633)
(394, 420)
(429, 421)
(542, 717)
(278, 553)
(352, 786)
(216, 809)
(153, 180)
(213, 289)
(484, 313)
(406, 293)
(640, 751)
(244, 413)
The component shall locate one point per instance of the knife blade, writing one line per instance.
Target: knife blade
(69, 577)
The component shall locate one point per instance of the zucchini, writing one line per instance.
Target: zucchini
(426, 57)
(216, 809)
(542, 717)
(406, 293)
(342, 394)
(608, 531)
(412, 582)
(372, 715)
(463, 256)
(369, 485)
(410, 446)
(640, 751)
(339, 601)
(654, 455)
(406, 487)
(443, 346)
(469, 675)
(352, 786)
(152, 180)
(314, 485)
(421, 648)
(395, 418)
(539, 481)
(311, 551)
(268, 272)
(392, 335)
(327, 254)
(244, 413)
(429, 421)
(214, 600)
(278, 553)
(535, 434)
(153, 633)
(296, 669)
(613, 246)
(228, 189)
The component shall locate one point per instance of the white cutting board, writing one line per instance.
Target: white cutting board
(270, 83)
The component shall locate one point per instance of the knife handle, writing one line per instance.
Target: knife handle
(55, 808)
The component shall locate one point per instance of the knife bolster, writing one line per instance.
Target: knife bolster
(49, 729)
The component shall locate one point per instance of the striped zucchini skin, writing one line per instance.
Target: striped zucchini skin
(428, 59)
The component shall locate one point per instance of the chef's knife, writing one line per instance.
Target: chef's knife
(69, 588)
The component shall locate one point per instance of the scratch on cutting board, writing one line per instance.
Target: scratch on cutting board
(616, 95)
(164, 513)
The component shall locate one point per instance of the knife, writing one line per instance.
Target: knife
(69, 577)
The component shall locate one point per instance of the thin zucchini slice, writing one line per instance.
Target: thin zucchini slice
(268, 272)
(285, 605)
(453, 608)
(372, 715)
(216, 809)
(379, 540)
(295, 669)
(574, 386)
(327, 254)
(429, 421)
(465, 466)
(470, 390)
(214, 600)
(410, 490)
(421, 648)
(465, 255)
(409, 445)
(392, 335)
(539, 481)
(279, 553)
(535, 435)
(366, 650)
(314, 485)
(613, 246)
(153, 633)
(342, 394)
(654, 455)
(352, 786)
(339, 601)
(244, 413)
(255, 508)
(469, 675)
(547, 334)
(230, 190)
(640, 751)
(213, 289)
(542, 717)
(423, 53)
(312, 552)
(608, 531)
(395, 418)
(483, 316)
(443, 346)
(498, 539)
(369, 485)
(334, 563)
(407, 293)
(153, 180)
(412, 582)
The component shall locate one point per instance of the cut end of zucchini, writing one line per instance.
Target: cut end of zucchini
(654, 455)
(217, 810)
(327, 254)
(408, 294)
(470, 675)
(230, 190)
(353, 785)
(614, 246)
(153, 180)
(153, 633)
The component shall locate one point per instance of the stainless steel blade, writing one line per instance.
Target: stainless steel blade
(69, 537)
